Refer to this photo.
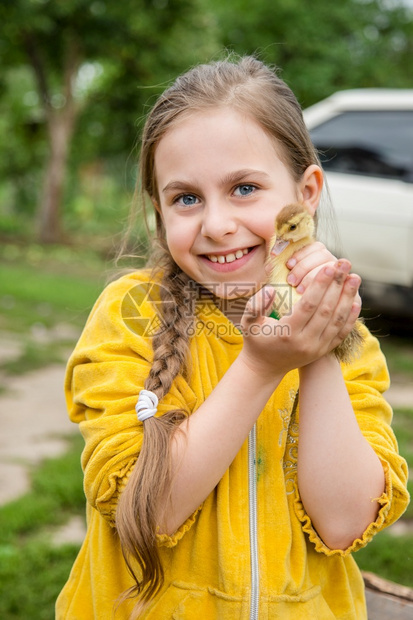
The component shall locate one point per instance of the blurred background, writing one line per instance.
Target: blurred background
(76, 79)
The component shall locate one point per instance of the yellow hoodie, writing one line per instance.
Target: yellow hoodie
(249, 551)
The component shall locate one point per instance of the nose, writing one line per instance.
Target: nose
(218, 220)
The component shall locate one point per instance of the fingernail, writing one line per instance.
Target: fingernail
(291, 263)
(343, 267)
(354, 282)
(300, 289)
(329, 271)
(291, 279)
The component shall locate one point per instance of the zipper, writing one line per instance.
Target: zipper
(252, 501)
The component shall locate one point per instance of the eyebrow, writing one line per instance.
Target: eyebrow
(178, 185)
(232, 178)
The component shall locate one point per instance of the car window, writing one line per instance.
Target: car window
(374, 143)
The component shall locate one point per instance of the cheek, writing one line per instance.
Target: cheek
(178, 237)
(265, 227)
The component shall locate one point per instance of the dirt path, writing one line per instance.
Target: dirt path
(33, 423)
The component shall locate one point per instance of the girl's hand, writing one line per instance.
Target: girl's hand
(320, 320)
(306, 263)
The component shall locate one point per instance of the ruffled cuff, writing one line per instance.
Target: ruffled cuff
(107, 504)
(164, 540)
(384, 501)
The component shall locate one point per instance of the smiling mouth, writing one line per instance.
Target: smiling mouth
(227, 258)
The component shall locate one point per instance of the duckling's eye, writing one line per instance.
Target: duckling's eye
(293, 226)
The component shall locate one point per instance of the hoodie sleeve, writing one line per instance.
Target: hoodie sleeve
(104, 376)
(367, 379)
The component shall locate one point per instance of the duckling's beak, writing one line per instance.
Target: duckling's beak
(279, 246)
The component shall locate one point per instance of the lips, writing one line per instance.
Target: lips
(227, 258)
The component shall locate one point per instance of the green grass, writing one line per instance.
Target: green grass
(46, 295)
(46, 292)
(399, 356)
(31, 578)
(56, 490)
(388, 555)
(34, 356)
(403, 428)
(32, 569)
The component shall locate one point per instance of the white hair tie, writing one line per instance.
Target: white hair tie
(146, 405)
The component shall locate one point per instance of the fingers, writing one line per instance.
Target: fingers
(352, 299)
(309, 259)
(331, 304)
(337, 302)
(318, 301)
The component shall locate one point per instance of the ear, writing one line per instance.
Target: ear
(310, 186)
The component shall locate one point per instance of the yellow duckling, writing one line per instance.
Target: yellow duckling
(294, 229)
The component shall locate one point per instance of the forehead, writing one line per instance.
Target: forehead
(216, 135)
(199, 122)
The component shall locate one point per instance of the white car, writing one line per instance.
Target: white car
(365, 141)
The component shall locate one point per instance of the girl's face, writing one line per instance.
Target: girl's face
(221, 184)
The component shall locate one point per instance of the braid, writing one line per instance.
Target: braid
(139, 510)
(170, 344)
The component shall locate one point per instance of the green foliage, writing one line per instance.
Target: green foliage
(56, 492)
(85, 63)
(403, 428)
(389, 556)
(32, 569)
(30, 298)
(399, 356)
(120, 55)
(46, 294)
(31, 577)
(324, 47)
(34, 356)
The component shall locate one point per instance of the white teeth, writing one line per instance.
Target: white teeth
(228, 258)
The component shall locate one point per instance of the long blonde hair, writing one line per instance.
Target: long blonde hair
(247, 85)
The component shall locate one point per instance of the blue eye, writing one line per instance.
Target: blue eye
(187, 200)
(244, 190)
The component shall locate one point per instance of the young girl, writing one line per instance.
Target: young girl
(254, 464)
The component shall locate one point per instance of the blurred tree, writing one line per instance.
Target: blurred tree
(83, 52)
(75, 74)
(324, 46)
